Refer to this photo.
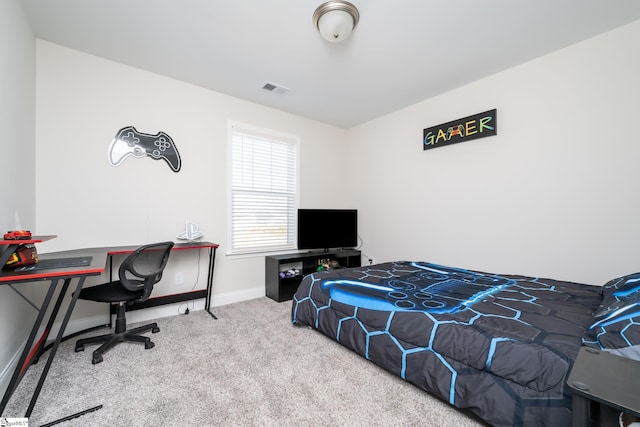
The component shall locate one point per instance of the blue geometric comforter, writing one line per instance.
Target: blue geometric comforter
(500, 346)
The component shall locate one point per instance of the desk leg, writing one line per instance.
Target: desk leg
(580, 411)
(41, 345)
(65, 321)
(212, 260)
(19, 369)
(110, 280)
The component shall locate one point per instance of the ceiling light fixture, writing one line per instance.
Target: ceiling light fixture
(335, 20)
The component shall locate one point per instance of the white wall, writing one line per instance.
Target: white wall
(555, 193)
(84, 100)
(17, 162)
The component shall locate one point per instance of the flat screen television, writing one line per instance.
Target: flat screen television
(327, 228)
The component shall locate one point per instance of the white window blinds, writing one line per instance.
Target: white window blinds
(264, 190)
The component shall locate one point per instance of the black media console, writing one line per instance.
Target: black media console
(283, 273)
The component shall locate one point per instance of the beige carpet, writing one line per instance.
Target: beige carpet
(251, 367)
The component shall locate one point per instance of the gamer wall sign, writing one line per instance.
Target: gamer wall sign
(129, 142)
(466, 129)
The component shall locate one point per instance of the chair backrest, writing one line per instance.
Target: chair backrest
(143, 268)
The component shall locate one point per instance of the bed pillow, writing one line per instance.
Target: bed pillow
(619, 293)
(617, 320)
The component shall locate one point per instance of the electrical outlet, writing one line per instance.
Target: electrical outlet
(179, 279)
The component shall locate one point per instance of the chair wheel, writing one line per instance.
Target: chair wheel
(79, 348)
(96, 359)
(155, 330)
(148, 345)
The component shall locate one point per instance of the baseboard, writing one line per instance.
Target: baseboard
(143, 315)
(237, 296)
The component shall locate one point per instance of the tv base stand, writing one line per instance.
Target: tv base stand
(283, 273)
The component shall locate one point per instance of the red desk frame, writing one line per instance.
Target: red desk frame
(31, 353)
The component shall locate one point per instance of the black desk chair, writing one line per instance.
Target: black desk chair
(138, 273)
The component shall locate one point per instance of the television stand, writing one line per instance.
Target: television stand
(283, 273)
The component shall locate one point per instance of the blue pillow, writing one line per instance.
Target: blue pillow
(617, 320)
(619, 293)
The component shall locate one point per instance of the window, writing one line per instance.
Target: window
(263, 190)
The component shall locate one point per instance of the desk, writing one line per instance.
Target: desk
(54, 277)
(169, 299)
(606, 379)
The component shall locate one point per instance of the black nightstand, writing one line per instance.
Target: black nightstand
(603, 384)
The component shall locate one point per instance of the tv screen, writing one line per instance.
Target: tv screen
(327, 228)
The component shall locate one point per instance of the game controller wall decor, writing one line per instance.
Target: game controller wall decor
(129, 142)
(466, 129)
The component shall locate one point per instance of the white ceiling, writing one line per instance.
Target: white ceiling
(402, 51)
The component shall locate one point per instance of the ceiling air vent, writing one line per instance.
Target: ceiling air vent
(275, 88)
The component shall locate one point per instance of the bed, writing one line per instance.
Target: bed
(499, 346)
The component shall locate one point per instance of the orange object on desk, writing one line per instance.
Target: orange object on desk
(17, 235)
